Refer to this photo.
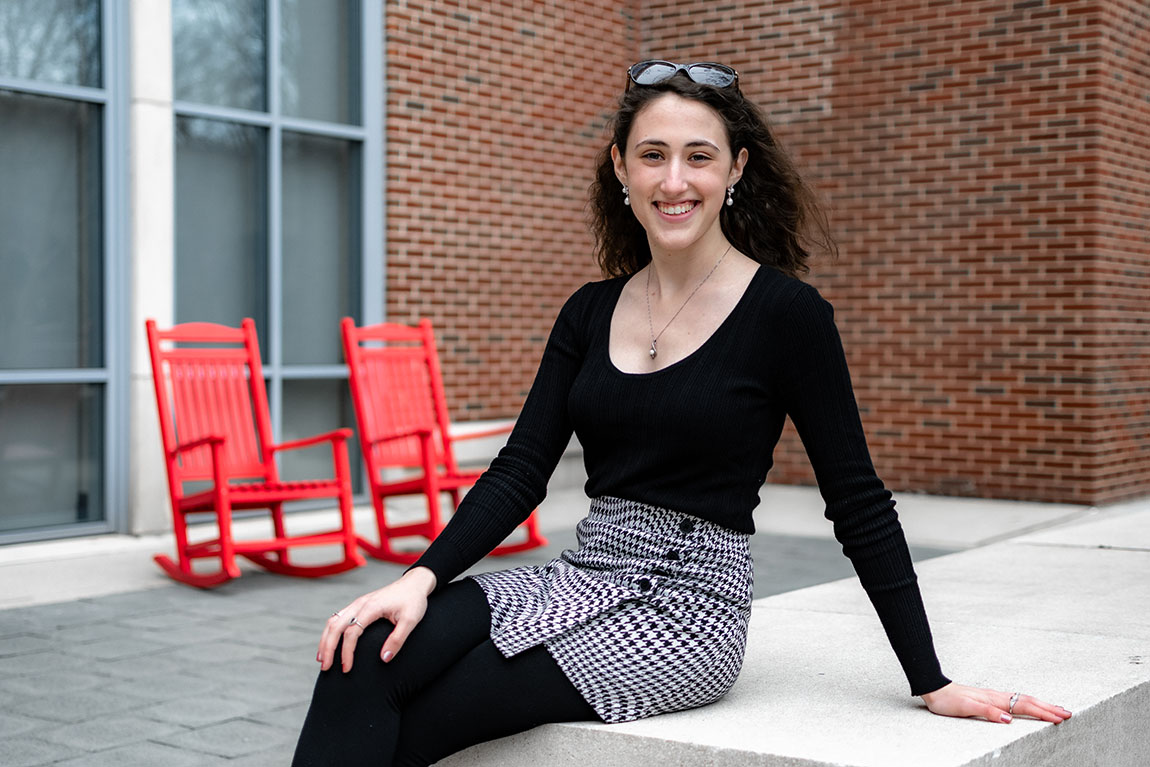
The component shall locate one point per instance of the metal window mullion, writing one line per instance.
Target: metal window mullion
(300, 372)
(229, 114)
(373, 258)
(117, 277)
(56, 90)
(275, 219)
(320, 128)
(73, 376)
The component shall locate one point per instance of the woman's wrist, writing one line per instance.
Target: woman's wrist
(422, 578)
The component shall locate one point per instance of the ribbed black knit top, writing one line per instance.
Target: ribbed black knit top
(697, 437)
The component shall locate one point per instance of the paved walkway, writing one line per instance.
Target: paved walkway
(103, 661)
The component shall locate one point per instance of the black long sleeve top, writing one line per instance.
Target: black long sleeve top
(698, 437)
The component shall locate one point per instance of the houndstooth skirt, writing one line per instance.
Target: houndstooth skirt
(648, 616)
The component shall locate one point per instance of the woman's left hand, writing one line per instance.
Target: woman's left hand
(993, 705)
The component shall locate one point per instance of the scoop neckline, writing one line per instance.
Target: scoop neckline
(696, 353)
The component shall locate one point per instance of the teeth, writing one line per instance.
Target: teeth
(674, 210)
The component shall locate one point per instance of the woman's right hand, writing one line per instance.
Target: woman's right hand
(403, 603)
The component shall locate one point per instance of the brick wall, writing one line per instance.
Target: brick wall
(494, 113)
(984, 164)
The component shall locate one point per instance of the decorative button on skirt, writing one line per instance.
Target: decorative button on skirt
(648, 616)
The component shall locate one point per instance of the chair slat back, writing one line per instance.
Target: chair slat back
(396, 386)
(209, 382)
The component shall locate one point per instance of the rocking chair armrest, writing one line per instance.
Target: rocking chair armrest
(485, 433)
(335, 435)
(421, 433)
(213, 439)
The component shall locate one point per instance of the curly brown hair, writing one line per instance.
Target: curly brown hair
(774, 215)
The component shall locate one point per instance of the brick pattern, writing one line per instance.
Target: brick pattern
(495, 113)
(985, 165)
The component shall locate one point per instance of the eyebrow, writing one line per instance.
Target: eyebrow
(660, 143)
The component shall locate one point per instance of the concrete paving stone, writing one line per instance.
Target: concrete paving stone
(63, 614)
(33, 663)
(202, 710)
(148, 665)
(88, 632)
(162, 687)
(14, 622)
(72, 706)
(190, 634)
(287, 717)
(103, 732)
(237, 737)
(147, 754)
(26, 752)
(37, 684)
(213, 653)
(14, 723)
(173, 621)
(20, 644)
(114, 649)
(278, 756)
(132, 603)
(283, 638)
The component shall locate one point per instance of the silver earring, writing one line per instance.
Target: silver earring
(626, 195)
(730, 195)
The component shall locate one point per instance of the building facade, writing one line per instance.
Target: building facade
(985, 165)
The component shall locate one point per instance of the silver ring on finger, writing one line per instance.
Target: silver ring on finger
(1013, 700)
(337, 614)
(354, 622)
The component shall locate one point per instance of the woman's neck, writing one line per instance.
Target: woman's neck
(677, 271)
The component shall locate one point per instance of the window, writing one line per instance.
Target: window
(58, 379)
(272, 152)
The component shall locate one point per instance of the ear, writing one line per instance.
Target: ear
(737, 167)
(620, 166)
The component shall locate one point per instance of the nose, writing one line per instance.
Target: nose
(675, 181)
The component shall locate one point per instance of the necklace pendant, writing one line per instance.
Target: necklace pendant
(653, 351)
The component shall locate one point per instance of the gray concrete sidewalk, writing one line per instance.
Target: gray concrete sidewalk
(103, 661)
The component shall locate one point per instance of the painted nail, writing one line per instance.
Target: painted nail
(388, 656)
(1006, 718)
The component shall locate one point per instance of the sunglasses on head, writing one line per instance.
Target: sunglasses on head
(702, 72)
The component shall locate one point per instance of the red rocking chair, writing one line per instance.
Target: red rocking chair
(216, 432)
(401, 412)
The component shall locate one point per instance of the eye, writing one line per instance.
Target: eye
(700, 157)
(652, 155)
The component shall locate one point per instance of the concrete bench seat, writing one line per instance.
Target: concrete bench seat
(1061, 614)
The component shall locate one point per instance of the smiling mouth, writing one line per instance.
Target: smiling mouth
(676, 209)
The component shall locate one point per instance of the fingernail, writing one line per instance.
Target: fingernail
(388, 656)
(1006, 718)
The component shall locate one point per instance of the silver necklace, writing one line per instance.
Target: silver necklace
(654, 350)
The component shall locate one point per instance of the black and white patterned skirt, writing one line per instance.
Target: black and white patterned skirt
(648, 616)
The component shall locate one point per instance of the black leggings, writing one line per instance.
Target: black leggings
(447, 689)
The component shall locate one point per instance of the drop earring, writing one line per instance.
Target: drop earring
(626, 195)
(730, 195)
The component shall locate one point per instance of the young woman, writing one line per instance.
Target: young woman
(676, 373)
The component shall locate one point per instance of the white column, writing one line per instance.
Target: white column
(152, 185)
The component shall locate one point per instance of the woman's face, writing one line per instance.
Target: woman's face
(677, 165)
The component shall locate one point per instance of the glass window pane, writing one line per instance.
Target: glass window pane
(219, 52)
(315, 407)
(221, 229)
(51, 455)
(320, 60)
(321, 202)
(55, 41)
(51, 254)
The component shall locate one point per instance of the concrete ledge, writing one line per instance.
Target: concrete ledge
(1059, 614)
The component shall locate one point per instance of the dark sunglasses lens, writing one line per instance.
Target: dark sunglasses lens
(651, 72)
(712, 74)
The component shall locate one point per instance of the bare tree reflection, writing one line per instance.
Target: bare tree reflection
(56, 41)
(219, 52)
